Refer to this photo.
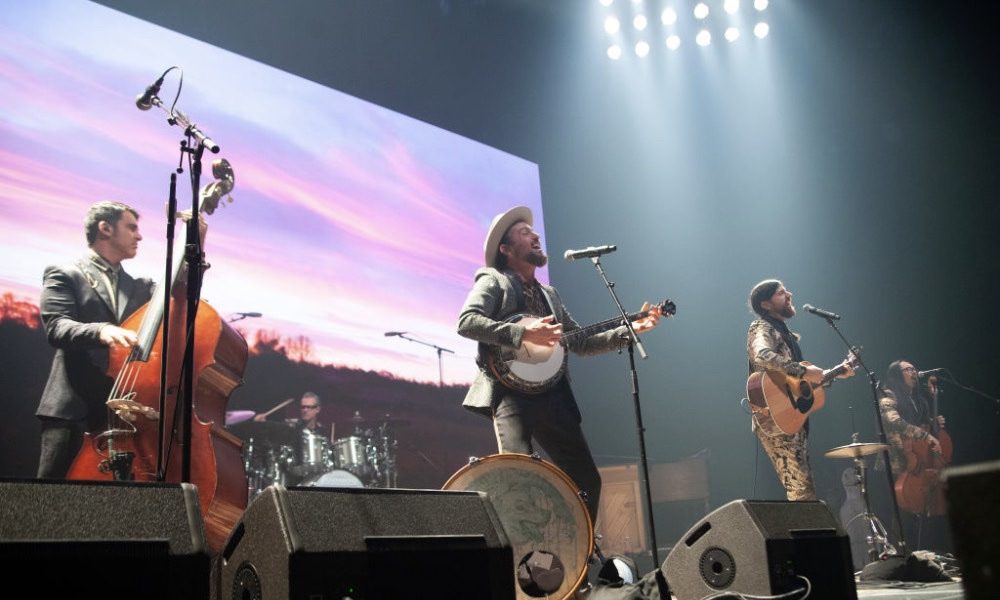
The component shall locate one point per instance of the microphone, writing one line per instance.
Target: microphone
(925, 374)
(592, 251)
(393, 333)
(144, 101)
(822, 313)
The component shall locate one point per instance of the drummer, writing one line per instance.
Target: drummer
(310, 407)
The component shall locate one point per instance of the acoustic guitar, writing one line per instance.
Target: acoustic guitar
(534, 368)
(788, 400)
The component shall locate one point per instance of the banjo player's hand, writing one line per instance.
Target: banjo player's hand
(543, 332)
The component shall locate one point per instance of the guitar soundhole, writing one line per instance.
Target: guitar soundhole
(805, 400)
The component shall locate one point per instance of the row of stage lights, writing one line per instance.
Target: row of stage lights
(669, 15)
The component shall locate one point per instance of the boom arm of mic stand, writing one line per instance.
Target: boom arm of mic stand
(632, 335)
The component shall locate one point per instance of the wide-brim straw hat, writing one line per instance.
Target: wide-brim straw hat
(501, 223)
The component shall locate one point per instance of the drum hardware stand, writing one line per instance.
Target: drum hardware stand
(879, 546)
(633, 342)
(439, 349)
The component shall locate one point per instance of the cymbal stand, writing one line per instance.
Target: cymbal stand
(877, 538)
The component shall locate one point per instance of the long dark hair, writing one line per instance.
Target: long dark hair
(894, 383)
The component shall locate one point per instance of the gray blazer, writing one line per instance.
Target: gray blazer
(75, 305)
(496, 296)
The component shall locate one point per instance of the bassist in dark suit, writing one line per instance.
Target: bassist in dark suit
(82, 305)
(507, 286)
(771, 346)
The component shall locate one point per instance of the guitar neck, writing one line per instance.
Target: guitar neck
(829, 376)
(585, 332)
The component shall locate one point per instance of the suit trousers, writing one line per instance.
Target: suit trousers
(552, 420)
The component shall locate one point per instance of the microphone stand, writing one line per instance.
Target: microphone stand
(633, 343)
(194, 260)
(439, 350)
(875, 386)
(951, 379)
(194, 257)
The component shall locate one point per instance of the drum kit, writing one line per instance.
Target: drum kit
(282, 452)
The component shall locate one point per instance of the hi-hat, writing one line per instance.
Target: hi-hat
(855, 450)
(358, 419)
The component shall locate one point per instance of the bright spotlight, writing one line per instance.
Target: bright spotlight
(760, 30)
(703, 38)
(612, 25)
(700, 10)
(640, 22)
(731, 6)
(641, 49)
(614, 51)
(673, 42)
(732, 34)
(607, 2)
(669, 16)
(760, 4)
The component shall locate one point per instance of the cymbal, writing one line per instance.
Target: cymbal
(276, 433)
(359, 420)
(856, 450)
(238, 416)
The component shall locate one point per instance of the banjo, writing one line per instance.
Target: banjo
(534, 368)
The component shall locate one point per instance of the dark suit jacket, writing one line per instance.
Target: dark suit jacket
(496, 296)
(75, 305)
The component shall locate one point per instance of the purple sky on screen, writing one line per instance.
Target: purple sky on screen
(349, 220)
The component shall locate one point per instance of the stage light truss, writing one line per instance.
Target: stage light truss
(644, 28)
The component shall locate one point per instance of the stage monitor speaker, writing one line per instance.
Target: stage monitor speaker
(363, 543)
(974, 516)
(129, 540)
(763, 548)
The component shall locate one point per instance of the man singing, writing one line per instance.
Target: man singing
(505, 287)
(771, 346)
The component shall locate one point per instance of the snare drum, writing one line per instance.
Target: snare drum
(336, 478)
(352, 454)
(541, 511)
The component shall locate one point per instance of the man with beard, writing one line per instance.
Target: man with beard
(771, 346)
(506, 287)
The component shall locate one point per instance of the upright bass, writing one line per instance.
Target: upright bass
(919, 489)
(128, 448)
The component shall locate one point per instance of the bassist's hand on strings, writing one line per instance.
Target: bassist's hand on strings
(543, 332)
(112, 335)
(933, 444)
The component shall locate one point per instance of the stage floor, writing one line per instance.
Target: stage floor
(911, 591)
